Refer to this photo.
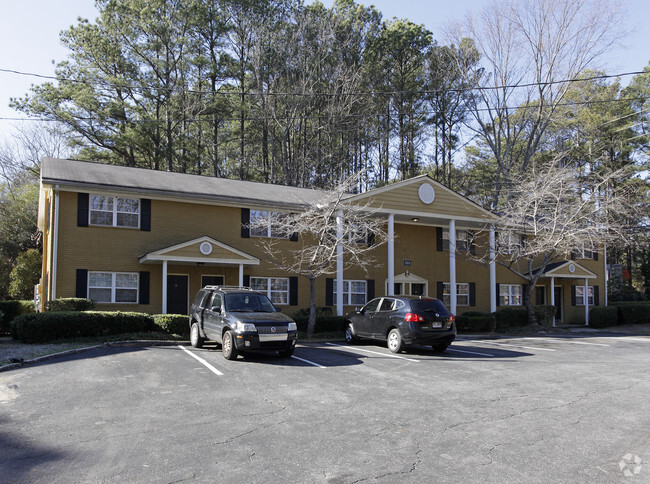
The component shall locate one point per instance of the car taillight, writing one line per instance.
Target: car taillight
(452, 318)
(413, 318)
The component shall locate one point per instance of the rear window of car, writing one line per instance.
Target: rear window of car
(429, 305)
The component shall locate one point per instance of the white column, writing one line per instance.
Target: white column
(55, 243)
(493, 272)
(164, 287)
(452, 266)
(553, 297)
(586, 302)
(241, 275)
(391, 254)
(339, 264)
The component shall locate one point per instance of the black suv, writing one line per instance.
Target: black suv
(241, 320)
(403, 320)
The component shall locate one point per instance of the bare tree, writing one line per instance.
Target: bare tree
(321, 228)
(551, 213)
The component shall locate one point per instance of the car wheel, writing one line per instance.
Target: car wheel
(349, 335)
(394, 340)
(288, 353)
(195, 336)
(229, 350)
(440, 348)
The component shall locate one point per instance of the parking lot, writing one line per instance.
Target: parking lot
(561, 409)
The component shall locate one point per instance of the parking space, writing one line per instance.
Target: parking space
(536, 409)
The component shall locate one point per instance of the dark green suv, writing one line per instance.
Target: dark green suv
(241, 320)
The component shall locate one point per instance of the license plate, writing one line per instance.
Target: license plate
(436, 324)
(273, 337)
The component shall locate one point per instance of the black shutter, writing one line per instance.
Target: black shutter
(472, 245)
(371, 239)
(472, 294)
(293, 291)
(247, 281)
(574, 254)
(245, 223)
(371, 289)
(440, 290)
(143, 290)
(439, 239)
(82, 283)
(329, 291)
(498, 295)
(596, 296)
(82, 210)
(573, 295)
(294, 237)
(145, 215)
(524, 294)
(596, 254)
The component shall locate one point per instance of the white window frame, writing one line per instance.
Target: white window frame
(507, 245)
(348, 294)
(271, 291)
(585, 251)
(462, 239)
(580, 295)
(512, 292)
(114, 287)
(115, 212)
(462, 294)
(269, 216)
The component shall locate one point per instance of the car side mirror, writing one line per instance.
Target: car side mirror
(358, 310)
(216, 309)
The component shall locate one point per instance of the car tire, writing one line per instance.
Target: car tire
(195, 336)
(440, 348)
(350, 338)
(229, 349)
(288, 353)
(394, 341)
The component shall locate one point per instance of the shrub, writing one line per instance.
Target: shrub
(474, 321)
(70, 304)
(42, 327)
(172, 324)
(633, 312)
(511, 316)
(545, 314)
(11, 309)
(324, 324)
(603, 316)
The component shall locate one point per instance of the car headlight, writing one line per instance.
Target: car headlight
(245, 327)
(292, 326)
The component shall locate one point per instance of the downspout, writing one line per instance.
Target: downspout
(55, 240)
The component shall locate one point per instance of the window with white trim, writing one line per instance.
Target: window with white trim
(113, 287)
(265, 224)
(354, 292)
(510, 294)
(584, 251)
(509, 242)
(462, 239)
(275, 288)
(114, 211)
(462, 294)
(580, 295)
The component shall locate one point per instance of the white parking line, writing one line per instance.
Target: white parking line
(307, 361)
(469, 352)
(567, 340)
(517, 346)
(202, 361)
(356, 348)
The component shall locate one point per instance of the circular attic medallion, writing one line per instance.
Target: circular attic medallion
(572, 268)
(426, 193)
(205, 248)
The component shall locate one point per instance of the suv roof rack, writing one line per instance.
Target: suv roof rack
(230, 288)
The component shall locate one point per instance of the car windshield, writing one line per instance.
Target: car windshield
(250, 303)
(433, 305)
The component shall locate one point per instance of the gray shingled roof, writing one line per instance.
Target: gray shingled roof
(87, 175)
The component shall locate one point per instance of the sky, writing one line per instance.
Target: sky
(29, 37)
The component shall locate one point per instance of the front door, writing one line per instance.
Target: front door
(558, 303)
(177, 295)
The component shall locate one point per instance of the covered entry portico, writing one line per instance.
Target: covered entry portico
(201, 252)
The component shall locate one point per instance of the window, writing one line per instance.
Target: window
(114, 211)
(462, 239)
(462, 294)
(509, 242)
(580, 295)
(265, 224)
(275, 288)
(354, 292)
(113, 287)
(584, 251)
(509, 295)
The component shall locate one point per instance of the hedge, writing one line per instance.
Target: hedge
(11, 309)
(507, 317)
(42, 327)
(70, 304)
(603, 316)
(474, 321)
(172, 324)
(324, 324)
(633, 312)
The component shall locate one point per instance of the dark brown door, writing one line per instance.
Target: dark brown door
(177, 299)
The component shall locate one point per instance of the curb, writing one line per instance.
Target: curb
(13, 366)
